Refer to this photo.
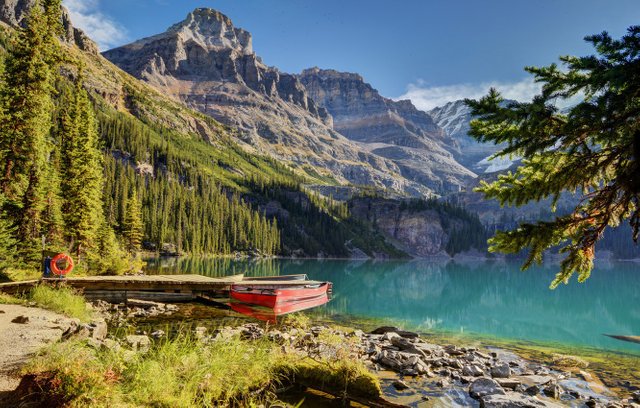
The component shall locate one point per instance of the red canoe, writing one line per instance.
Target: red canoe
(278, 295)
(270, 315)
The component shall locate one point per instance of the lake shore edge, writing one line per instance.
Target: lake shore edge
(408, 367)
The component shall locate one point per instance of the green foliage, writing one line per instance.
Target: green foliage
(185, 372)
(132, 227)
(594, 149)
(7, 240)
(26, 96)
(83, 177)
(10, 300)
(174, 180)
(62, 300)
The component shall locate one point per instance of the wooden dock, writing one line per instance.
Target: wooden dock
(167, 288)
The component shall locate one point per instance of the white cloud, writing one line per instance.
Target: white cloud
(85, 14)
(427, 97)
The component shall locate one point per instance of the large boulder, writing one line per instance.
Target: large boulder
(483, 387)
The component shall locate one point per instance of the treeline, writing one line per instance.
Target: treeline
(184, 209)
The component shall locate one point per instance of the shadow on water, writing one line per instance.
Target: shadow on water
(487, 298)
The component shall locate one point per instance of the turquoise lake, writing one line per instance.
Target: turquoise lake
(486, 298)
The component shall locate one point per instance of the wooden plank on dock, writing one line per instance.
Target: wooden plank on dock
(193, 285)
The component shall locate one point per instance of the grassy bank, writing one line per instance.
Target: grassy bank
(186, 372)
(61, 300)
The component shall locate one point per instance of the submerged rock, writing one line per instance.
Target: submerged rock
(514, 400)
(400, 385)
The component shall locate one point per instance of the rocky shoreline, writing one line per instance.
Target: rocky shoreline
(412, 370)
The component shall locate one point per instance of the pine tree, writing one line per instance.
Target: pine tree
(31, 68)
(7, 241)
(82, 169)
(593, 149)
(133, 228)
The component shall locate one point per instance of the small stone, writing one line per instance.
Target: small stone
(20, 320)
(552, 391)
(472, 370)
(501, 371)
(483, 387)
(453, 350)
(110, 344)
(385, 329)
(442, 383)
(2, 312)
(139, 343)
(400, 385)
(389, 336)
(508, 383)
(533, 390)
(636, 396)
(158, 334)
(98, 329)
(201, 332)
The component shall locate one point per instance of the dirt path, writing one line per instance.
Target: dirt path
(20, 340)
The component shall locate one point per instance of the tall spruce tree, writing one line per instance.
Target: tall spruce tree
(82, 169)
(132, 226)
(31, 68)
(593, 149)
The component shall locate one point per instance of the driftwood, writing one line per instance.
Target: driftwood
(632, 339)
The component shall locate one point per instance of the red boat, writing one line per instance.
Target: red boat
(270, 315)
(274, 295)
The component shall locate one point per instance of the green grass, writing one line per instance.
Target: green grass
(61, 300)
(10, 300)
(19, 274)
(184, 372)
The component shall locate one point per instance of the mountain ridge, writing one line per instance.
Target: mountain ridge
(394, 130)
(208, 64)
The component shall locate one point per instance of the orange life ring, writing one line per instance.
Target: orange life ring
(56, 269)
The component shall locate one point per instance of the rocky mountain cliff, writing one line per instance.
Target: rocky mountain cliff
(454, 118)
(210, 65)
(394, 130)
(422, 228)
(14, 13)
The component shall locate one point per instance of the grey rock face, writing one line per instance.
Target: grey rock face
(15, 13)
(455, 118)
(420, 233)
(210, 65)
(395, 130)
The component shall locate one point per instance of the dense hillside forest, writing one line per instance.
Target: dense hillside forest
(98, 164)
(162, 189)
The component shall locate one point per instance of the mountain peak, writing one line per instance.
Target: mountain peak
(213, 30)
(331, 73)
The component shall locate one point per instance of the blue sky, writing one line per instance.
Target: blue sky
(429, 51)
